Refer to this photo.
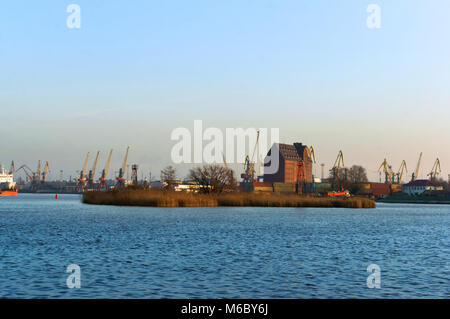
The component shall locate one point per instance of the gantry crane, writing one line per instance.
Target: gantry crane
(33, 177)
(436, 170)
(403, 169)
(45, 172)
(28, 171)
(82, 178)
(92, 172)
(249, 170)
(415, 175)
(120, 182)
(311, 154)
(388, 172)
(249, 165)
(105, 172)
(338, 164)
(37, 177)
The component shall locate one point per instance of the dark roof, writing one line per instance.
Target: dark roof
(301, 150)
(422, 183)
(289, 152)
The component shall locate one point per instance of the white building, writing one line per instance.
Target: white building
(421, 186)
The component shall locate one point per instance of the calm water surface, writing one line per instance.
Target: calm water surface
(128, 252)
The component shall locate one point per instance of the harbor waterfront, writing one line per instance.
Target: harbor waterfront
(221, 252)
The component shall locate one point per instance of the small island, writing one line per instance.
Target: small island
(161, 198)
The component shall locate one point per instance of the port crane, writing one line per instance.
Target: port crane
(34, 177)
(105, 172)
(249, 165)
(120, 182)
(436, 170)
(37, 177)
(311, 154)
(389, 173)
(403, 168)
(338, 164)
(82, 178)
(28, 171)
(92, 171)
(415, 175)
(45, 172)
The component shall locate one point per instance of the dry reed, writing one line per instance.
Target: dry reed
(157, 198)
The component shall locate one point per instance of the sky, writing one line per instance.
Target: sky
(136, 70)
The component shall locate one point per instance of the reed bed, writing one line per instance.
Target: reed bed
(282, 200)
(157, 198)
(153, 198)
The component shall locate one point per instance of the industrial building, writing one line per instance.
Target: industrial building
(295, 164)
(419, 187)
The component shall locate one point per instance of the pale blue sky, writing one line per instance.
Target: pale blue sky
(138, 69)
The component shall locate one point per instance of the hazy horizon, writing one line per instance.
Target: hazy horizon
(136, 71)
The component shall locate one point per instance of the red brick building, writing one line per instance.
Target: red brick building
(295, 164)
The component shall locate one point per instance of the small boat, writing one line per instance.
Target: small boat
(6, 193)
(339, 194)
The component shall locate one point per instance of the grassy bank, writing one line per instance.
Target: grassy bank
(156, 198)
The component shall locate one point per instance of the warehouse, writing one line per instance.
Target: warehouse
(295, 164)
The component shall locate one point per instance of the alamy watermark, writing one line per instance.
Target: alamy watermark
(74, 19)
(231, 146)
(74, 279)
(374, 19)
(374, 279)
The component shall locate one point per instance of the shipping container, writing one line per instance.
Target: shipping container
(284, 187)
(380, 190)
(263, 184)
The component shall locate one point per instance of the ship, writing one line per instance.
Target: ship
(7, 184)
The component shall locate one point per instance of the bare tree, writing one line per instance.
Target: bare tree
(213, 178)
(349, 178)
(168, 177)
(357, 174)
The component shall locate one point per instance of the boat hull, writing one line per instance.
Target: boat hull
(7, 193)
(339, 194)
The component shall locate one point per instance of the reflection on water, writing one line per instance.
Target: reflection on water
(132, 252)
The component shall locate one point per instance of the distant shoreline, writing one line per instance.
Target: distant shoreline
(157, 198)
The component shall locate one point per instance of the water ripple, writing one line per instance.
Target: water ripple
(221, 252)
